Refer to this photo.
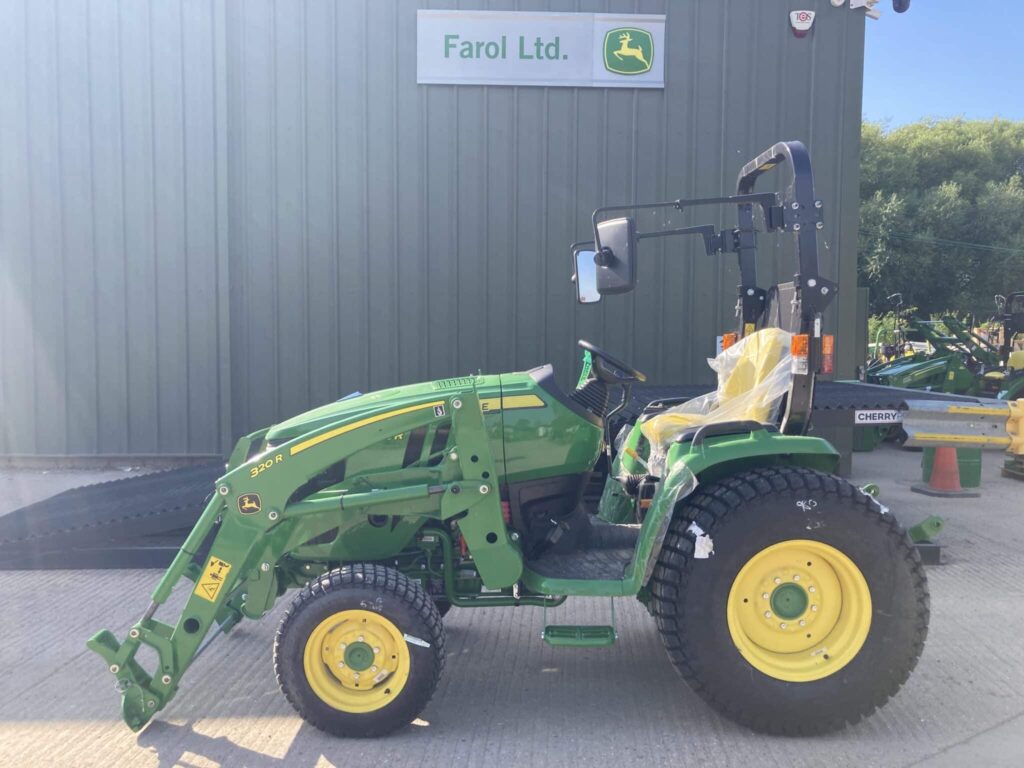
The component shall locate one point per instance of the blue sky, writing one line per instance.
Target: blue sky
(945, 58)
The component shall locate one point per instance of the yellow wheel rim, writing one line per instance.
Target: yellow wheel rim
(799, 610)
(356, 661)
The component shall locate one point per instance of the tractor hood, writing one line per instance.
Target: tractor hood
(373, 402)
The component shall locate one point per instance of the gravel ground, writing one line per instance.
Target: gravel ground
(506, 698)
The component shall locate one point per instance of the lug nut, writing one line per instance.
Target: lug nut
(376, 650)
(453, 456)
(166, 679)
(778, 580)
(814, 607)
(796, 577)
(133, 633)
(764, 595)
(484, 489)
(341, 663)
(767, 614)
(360, 638)
(114, 669)
(373, 668)
(782, 625)
(803, 623)
(265, 567)
(810, 589)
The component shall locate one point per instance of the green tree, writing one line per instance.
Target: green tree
(942, 213)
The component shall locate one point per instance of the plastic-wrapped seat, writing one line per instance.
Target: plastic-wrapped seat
(753, 377)
(1014, 364)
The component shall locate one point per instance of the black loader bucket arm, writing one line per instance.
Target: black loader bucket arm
(799, 211)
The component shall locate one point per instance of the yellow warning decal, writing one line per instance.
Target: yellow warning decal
(510, 402)
(749, 328)
(213, 578)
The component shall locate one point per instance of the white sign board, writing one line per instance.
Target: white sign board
(861, 418)
(583, 50)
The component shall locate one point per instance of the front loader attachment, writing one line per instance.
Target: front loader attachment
(259, 520)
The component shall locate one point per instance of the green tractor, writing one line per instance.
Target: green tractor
(962, 362)
(788, 599)
(1006, 379)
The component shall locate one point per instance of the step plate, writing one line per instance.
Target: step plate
(578, 636)
(590, 565)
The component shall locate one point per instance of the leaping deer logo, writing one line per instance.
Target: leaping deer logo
(625, 50)
(628, 51)
(249, 504)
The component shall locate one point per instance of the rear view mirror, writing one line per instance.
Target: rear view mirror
(616, 246)
(585, 275)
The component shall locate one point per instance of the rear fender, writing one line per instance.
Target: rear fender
(691, 463)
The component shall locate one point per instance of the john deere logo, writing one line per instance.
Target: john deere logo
(249, 503)
(628, 51)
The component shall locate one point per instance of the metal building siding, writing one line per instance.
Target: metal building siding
(213, 216)
(107, 228)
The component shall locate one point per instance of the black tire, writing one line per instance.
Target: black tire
(744, 514)
(401, 601)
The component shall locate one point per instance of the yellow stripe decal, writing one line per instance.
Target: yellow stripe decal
(982, 439)
(521, 401)
(361, 423)
(979, 410)
(511, 402)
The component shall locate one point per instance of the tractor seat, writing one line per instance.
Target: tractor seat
(1014, 363)
(753, 375)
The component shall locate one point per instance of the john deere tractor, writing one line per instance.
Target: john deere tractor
(788, 599)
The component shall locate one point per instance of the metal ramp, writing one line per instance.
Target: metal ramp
(137, 522)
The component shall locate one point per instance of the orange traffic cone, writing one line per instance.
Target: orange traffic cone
(945, 478)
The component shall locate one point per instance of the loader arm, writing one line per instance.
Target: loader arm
(254, 528)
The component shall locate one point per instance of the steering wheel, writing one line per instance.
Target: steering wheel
(609, 369)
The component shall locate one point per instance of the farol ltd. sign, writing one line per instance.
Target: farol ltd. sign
(589, 50)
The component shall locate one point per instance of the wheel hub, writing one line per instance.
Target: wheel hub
(358, 656)
(799, 610)
(789, 601)
(356, 661)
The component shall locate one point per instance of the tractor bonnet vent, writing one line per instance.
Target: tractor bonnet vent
(593, 395)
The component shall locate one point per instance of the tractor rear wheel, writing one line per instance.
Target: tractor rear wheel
(360, 651)
(810, 614)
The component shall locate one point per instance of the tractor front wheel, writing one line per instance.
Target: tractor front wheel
(812, 611)
(360, 651)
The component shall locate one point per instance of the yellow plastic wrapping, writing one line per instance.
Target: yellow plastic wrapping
(753, 376)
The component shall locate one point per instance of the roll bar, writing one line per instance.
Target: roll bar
(795, 208)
